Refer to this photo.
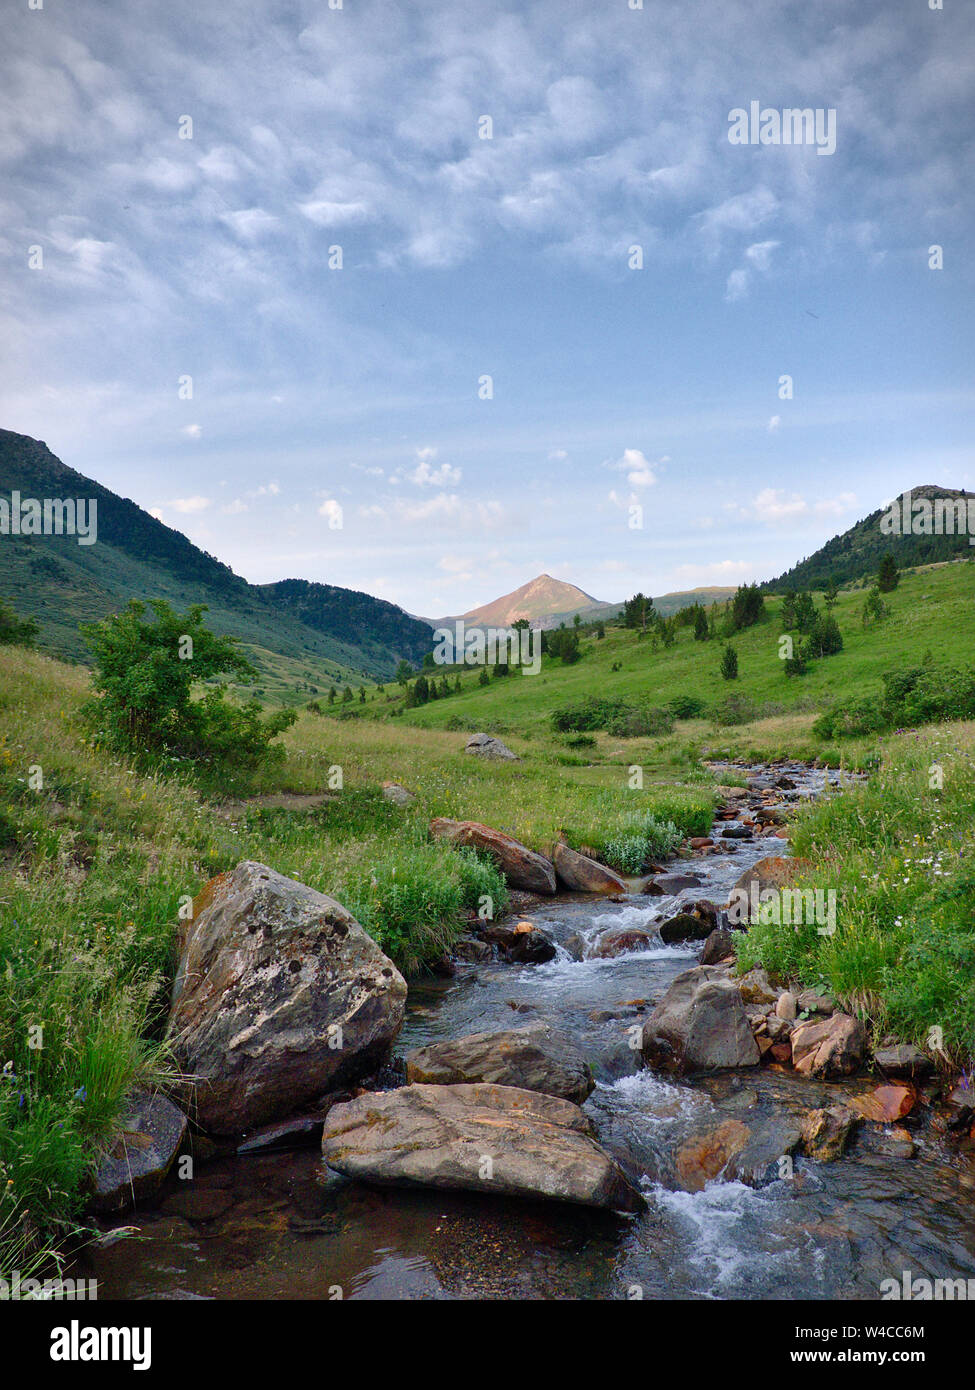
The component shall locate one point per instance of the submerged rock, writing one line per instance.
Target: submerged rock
(700, 1024)
(522, 867)
(279, 997)
(618, 940)
(521, 944)
(534, 1058)
(826, 1133)
(685, 926)
(498, 1140)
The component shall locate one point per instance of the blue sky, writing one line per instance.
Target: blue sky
(316, 388)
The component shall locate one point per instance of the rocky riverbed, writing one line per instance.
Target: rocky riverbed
(672, 1180)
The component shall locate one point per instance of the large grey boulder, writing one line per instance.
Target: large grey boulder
(487, 747)
(700, 1025)
(279, 996)
(150, 1134)
(521, 866)
(535, 1058)
(481, 1138)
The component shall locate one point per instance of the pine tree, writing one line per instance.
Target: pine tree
(887, 575)
(729, 663)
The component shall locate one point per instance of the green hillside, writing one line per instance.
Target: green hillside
(857, 552)
(931, 612)
(322, 634)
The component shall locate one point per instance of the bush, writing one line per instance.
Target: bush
(734, 709)
(145, 674)
(850, 719)
(588, 714)
(686, 706)
(641, 723)
(648, 839)
(13, 632)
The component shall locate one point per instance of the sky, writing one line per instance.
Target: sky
(427, 298)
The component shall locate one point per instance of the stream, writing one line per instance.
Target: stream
(279, 1225)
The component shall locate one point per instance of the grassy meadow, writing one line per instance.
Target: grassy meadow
(97, 850)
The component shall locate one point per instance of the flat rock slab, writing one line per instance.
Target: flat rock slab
(534, 1058)
(279, 997)
(151, 1133)
(582, 874)
(480, 1138)
(521, 866)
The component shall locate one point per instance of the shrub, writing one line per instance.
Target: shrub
(729, 664)
(641, 723)
(686, 706)
(145, 673)
(734, 709)
(13, 632)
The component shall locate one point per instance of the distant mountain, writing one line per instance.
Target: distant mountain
(684, 598)
(60, 583)
(858, 551)
(544, 601)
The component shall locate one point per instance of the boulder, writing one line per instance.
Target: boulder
(767, 875)
(618, 940)
(522, 867)
(150, 1134)
(487, 747)
(831, 1047)
(684, 927)
(902, 1060)
(676, 883)
(534, 1058)
(480, 1138)
(521, 943)
(279, 997)
(813, 1001)
(826, 1133)
(704, 1157)
(700, 1024)
(472, 951)
(397, 794)
(719, 946)
(582, 874)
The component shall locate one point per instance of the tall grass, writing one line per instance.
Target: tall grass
(899, 851)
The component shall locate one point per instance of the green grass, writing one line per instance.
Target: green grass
(899, 851)
(931, 610)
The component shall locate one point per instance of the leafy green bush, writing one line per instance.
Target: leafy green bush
(145, 674)
(686, 706)
(641, 723)
(850, 719)
(733, 710)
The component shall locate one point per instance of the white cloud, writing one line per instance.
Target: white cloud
(192, 431)
(737, 286)
(637, 467)
(187, 505)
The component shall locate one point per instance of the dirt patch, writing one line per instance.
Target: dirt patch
(276, 801)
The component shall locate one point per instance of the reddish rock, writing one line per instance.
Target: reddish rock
(522, 867)
(886, 1103)
(833, 1047)
(582, 874)
(619, 940)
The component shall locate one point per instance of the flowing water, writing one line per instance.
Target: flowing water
(279, 1225)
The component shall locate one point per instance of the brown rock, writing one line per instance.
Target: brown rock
(618, 940)
(700, 1024)
(885, 1104)
(482, 1138)
(584, 875)
(833, 1047)
(705, 1156)
(533, 1058)
(826, 1133)
(522, 867)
